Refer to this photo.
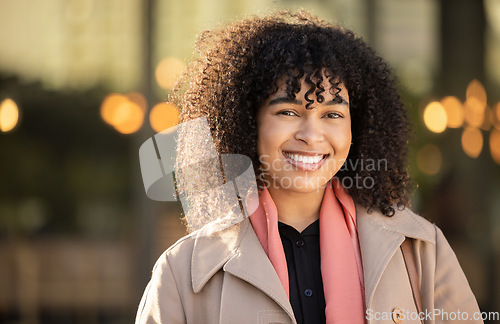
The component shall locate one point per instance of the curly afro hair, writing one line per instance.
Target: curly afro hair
(237, 68)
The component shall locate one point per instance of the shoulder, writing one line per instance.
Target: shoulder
(179, 253)
(204, 237)
(404, 222)
(161, 301)
(429, 238)
(196, 257)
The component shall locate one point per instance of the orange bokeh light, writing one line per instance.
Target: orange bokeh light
(138, 98)
(475, 104)
(9, 115)
(495, 145)
(168, 71)
(109, 106)
(488, 120)
(435, 117)
(496, 119)
(476, 90)
(454, 111)
(163, 116)
(474, 111)
(124, 112)
(128, 118)
(472, 142)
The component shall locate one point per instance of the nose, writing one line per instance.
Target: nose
(310, 131)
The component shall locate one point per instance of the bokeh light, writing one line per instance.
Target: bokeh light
(168, 71)
(472, 141)
(109, 106)
(454, 111)
(9, 115)
(495, 145)
(435, 117)
(496, 119)
(138, 98)
(476, 90)
(429, 159)
(488, 119)
(474, 111)
(124, 112)
(163, 115)
(475, 104)
(128, 118)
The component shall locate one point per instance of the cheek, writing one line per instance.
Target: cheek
(259, 146)
(269, 137)
(264, 146)
(348, 140)
(348, 132)
(340, 140)
(262, 138)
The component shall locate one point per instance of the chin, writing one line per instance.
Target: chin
(304, 187)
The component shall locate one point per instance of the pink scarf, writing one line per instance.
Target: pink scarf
(341, 266)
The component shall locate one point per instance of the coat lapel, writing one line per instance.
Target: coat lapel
(237, 251)
(251, 264)
(380, 237)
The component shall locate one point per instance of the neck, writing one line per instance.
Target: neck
(297, 209)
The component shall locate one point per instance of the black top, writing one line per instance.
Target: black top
(304, 272)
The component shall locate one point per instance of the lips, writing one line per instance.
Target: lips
(305, 161)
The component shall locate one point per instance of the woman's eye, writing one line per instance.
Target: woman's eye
(333, 115)
(287, 113)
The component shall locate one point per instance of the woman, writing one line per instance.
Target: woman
(318, 113)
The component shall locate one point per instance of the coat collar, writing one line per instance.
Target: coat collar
(236, 248)
(212, 250)
(380, 237)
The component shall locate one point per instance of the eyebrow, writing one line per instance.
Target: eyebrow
(299, 102)
(279, 100)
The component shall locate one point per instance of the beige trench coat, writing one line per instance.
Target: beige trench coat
(227, 278)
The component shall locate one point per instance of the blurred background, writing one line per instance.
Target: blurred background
(83, 83)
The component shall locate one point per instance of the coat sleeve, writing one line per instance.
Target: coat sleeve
(161, 302)
(452, 294)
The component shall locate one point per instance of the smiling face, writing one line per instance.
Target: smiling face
(302, 149)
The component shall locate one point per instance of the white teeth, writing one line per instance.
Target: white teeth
(305, 159)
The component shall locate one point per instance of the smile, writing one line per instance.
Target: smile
(305, 162)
